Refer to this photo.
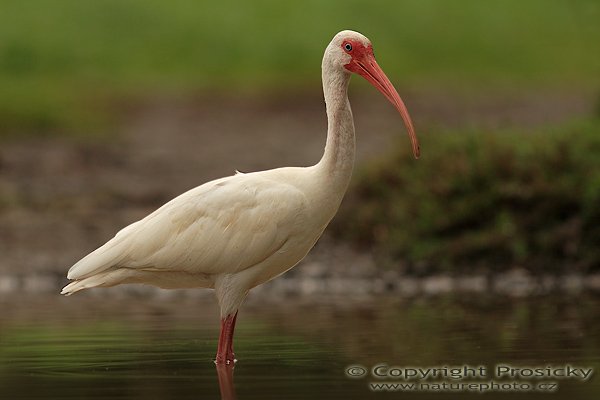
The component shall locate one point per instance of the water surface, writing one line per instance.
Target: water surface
(124, 348)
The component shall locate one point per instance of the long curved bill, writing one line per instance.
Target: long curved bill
(372, 72)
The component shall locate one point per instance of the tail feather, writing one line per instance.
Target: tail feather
(161, 279)
(73, 287)
(104, 279)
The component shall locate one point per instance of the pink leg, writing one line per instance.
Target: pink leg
(225, 347)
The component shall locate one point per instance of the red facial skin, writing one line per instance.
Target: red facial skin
(363, 63)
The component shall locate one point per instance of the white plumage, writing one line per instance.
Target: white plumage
(249, 227)
(235, 233)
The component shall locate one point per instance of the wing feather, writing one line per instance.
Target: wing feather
(223, 226)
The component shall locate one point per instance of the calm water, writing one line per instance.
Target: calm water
(124, 348)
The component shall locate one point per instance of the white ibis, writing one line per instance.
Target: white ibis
(234, 233)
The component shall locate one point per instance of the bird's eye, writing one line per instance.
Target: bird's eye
(348, 47)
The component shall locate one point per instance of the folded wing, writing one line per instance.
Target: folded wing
(223, 226)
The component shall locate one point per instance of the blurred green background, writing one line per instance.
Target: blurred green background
(64, 62)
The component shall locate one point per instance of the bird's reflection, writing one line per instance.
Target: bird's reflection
(225, 374)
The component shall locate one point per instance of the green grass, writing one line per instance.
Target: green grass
(63, 62)
(483, 200)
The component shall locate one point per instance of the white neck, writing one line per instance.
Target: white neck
(338, 159)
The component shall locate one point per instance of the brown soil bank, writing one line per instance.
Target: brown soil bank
(61, 198)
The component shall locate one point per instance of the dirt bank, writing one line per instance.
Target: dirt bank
(60, 198)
